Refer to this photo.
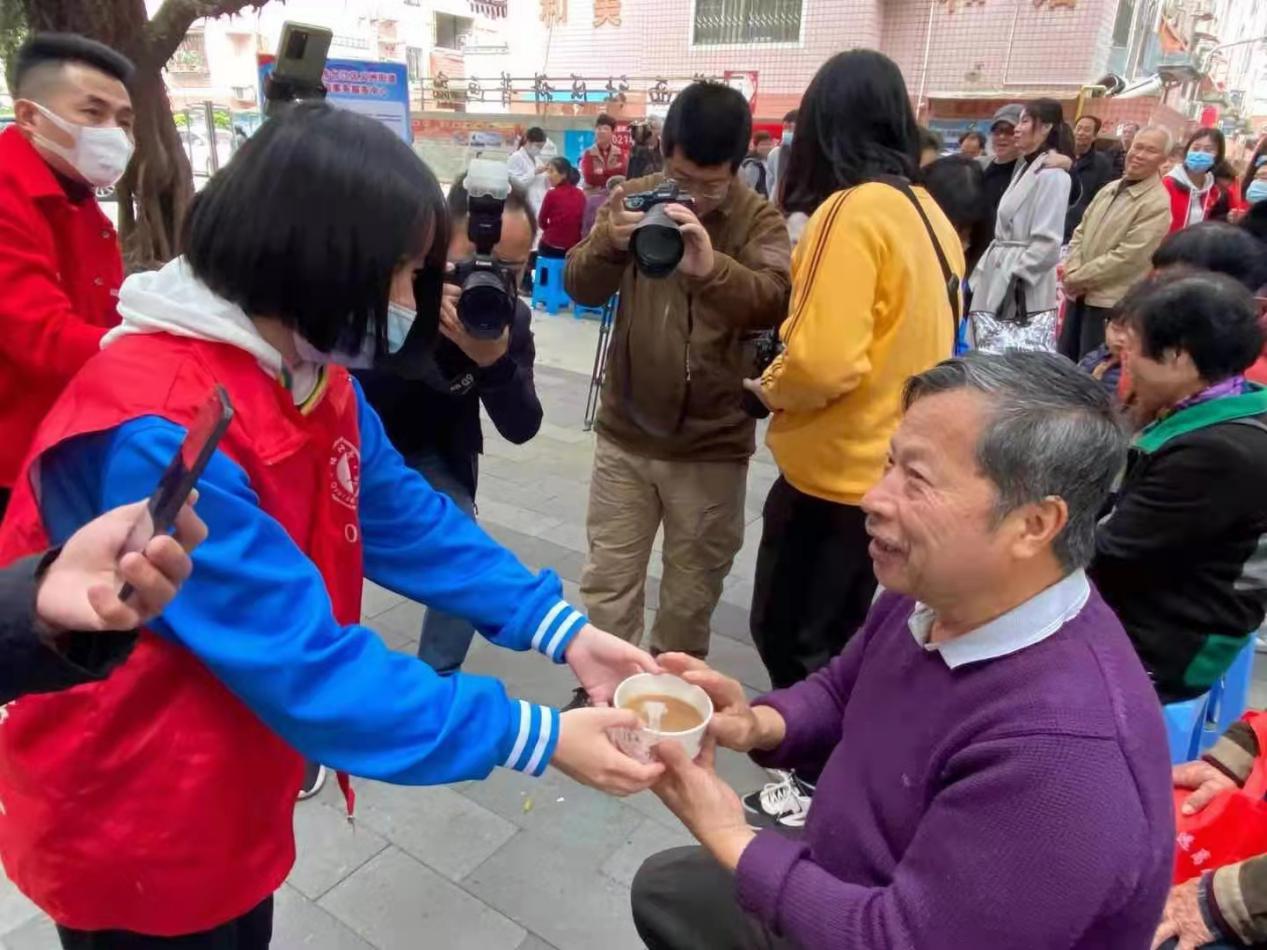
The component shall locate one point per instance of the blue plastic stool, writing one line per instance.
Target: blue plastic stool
(580, 310)
(1185, 726)
(1229, 698)
(547, 285)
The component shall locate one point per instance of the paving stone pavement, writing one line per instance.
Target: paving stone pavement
(511, 863)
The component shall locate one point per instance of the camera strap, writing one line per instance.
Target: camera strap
(951, 280)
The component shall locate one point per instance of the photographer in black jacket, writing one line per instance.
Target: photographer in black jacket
(435, 423)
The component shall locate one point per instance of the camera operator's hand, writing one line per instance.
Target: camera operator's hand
(621, 222)
(483, 353)
(698, 258)
(755, 387)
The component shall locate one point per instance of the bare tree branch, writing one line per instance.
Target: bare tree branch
(172, 21)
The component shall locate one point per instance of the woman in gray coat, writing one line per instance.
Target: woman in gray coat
(1014, 286)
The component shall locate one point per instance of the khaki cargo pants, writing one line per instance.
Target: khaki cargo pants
(700, 505)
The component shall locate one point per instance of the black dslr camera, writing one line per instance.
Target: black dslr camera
(766, 348)
(487, 303)
(657, 240)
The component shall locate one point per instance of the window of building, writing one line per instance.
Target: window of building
(1122, 25)
(450, 29)
(414, 62)
(720, 22)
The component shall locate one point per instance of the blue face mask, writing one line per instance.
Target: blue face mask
(1256, 191)
(1199, 161)
(399, 321)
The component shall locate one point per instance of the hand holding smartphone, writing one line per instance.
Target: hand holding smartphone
(181, 475)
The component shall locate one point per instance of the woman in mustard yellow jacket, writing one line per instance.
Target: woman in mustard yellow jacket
(870, 307)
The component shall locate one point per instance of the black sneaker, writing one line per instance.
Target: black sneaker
(314, 778)
(580, 699)
(784, 802)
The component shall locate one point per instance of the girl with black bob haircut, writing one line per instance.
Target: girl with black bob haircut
(317, 217)
(302, 255)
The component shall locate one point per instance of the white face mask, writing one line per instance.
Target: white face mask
(533, 149)
(399, 321)
(98, 155)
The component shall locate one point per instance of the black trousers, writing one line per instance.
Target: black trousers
(814, 582)
(684, 900)
(545, 250)
(4, 501)
(252, 931)
(1083, 329)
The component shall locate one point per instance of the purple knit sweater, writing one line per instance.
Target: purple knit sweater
(1021, 802)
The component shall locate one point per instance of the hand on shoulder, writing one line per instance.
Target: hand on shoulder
(1057, 160)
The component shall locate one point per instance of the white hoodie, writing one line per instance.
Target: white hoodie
(172, 300)
(1196, 196)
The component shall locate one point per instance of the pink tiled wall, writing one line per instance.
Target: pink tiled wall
(998, 45)
(654, 39)
(976, 45)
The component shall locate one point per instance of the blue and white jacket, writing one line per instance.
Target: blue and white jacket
(256, 612)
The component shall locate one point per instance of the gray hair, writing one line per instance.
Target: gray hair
(1169, 136)
(1051, 430)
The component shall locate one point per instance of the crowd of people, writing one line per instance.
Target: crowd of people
(1021, 450)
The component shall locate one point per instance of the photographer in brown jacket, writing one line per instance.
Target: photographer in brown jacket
(673, 439)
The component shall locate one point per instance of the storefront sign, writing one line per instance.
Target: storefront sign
(377, 90)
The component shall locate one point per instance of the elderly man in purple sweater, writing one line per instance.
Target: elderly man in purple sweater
(994, 765)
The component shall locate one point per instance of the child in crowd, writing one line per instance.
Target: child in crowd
(562, 211)
(1105, 361)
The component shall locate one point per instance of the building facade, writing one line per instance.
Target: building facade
(574, 58)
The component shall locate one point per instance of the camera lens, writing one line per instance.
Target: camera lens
(485, 308)
(657, 243)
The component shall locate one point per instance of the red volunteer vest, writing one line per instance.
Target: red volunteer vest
(156, 801)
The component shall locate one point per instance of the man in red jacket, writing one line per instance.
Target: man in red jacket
(60, 266)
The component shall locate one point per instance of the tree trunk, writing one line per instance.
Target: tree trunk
(156, 189)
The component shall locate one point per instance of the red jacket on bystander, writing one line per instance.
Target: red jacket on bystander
(562, 213)
(60, 271)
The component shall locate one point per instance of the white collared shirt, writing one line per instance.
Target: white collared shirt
(1023, 626)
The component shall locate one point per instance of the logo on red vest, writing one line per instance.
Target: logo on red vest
(345, 472)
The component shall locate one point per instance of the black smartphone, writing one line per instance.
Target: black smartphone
(182, 473)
